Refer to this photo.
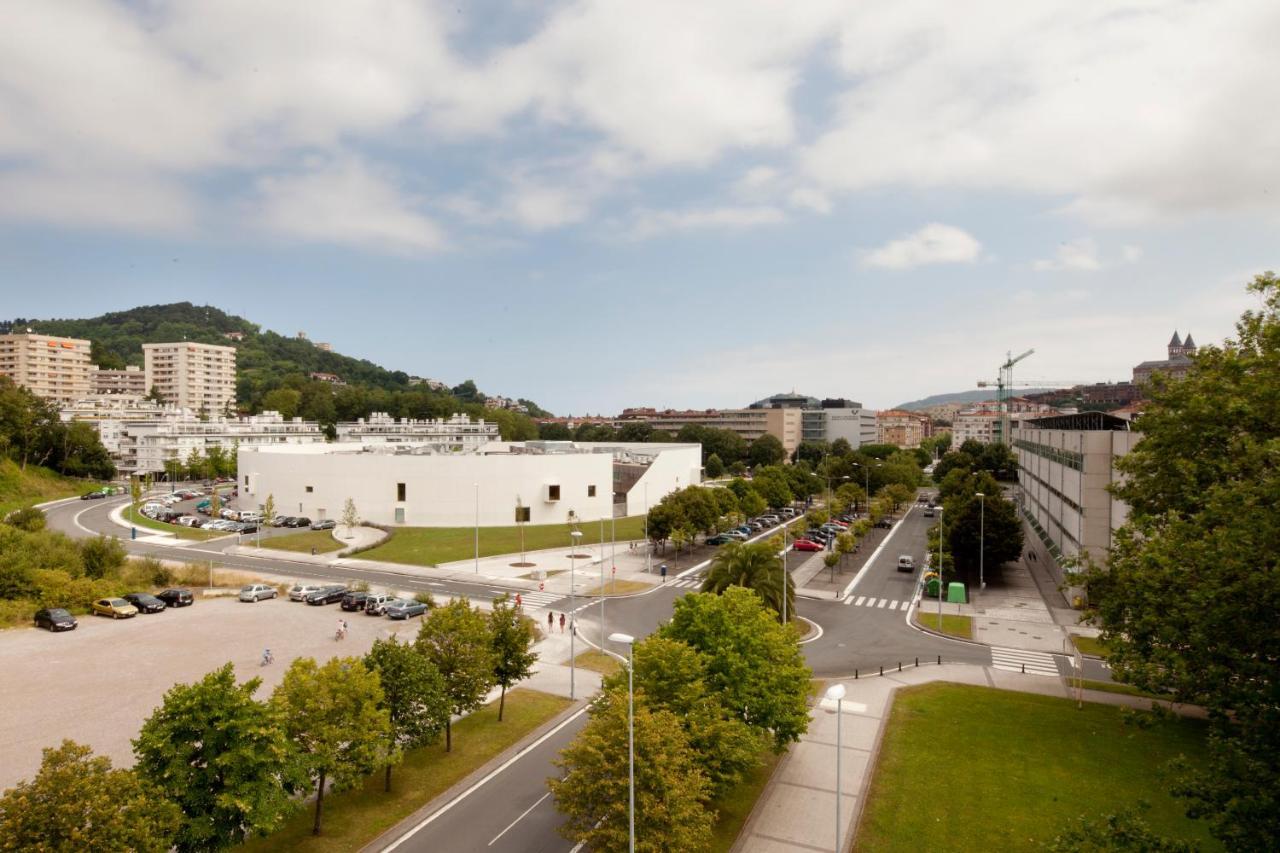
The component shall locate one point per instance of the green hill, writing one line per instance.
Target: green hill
(35, 485)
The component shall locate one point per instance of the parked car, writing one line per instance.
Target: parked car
(886, 523)
(720, 539)
(327, 594)
(247, 527)
(787, 512)
(736, 535)
(354, 600)
(755, 526)
(928, 512)
(771, 520)
(288, 521)
(230, 514)
(816, 535)
(176, 597)
(806, 545)
(324, 524)
(55, 619)
(279, 520)
(255, 592)
(375, 602)
(116, 608)
(403, 608)
(189, 521)
(300, 521)
(745, 530)
(145, 602)
(300, 591)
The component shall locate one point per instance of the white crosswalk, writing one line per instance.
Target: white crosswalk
(877, 603)
(1021, 660)
(686, 583)
(540, 599)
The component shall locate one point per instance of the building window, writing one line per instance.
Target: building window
(553, 493)
(522, 514)
(246, 481)
(591, 491)
(309, 490)
(399, 491)
(399, 515)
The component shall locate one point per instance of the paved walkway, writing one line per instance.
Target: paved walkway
(797, 810)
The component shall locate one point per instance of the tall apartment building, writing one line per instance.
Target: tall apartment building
(1065, 464)
(56, 369)
(200, 377)
(784, 424)
(828, 419)
(979, 426)
(132, 381)
(902, 428)
(454, 434)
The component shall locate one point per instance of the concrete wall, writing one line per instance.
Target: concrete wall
(673, 469)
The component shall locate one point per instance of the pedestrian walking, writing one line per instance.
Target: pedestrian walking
(519, 600)
(551, 621)
(561, 623)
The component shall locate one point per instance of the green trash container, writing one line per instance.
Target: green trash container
(931, 588)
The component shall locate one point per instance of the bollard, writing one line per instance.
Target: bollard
(899, 666)
(939, 660)
(1024, 669)
(882, 670)
(855, 675)
(917, 661)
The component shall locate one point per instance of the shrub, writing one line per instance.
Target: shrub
(427, 599)
(358, 586)
(102, 556)
(29, 519)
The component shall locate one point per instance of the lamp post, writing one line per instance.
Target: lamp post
(982, 536)
(648, 552)
(836, 694)
(939, 568)
(629, 641)
(602, 582)
(573, 554)
(785, 577)
(476, 486)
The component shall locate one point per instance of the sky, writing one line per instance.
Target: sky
(596, 205)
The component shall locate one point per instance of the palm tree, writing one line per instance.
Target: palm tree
(755, 566)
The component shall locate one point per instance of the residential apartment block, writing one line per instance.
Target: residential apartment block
(902, 428)
(1065, 464)
(131, 381)
(189, 375)
(457, 434)
(784, 424)
(56, 369)
(980, 426)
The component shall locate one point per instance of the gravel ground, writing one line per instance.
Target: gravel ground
(98, 683)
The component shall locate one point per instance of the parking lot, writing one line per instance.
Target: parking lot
(98, 683)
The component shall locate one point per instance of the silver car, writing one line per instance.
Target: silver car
(300, 591)
(255, 592)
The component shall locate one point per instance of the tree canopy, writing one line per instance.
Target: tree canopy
(755, 566)
(413, 695)
(457, 640)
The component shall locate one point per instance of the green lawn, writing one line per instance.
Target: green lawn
(1115, 687)
(973, 768)
(614, 586)
(956, 626)
(431, 546)
(354, 818)
(19, 488)
(598, 661)
(735, 806)
(321, 540)
(133, 515)
(1090, 646)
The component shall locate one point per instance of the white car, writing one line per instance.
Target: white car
(300, 591)
(255, 592)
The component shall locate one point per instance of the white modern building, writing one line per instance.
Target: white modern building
(456, 434)
(421, 486)
(146, 446)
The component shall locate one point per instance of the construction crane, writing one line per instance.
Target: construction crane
(1004, 380)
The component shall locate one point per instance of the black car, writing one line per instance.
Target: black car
(300, 521)
(247, 527)
(354, 600)
(176, 597)
(145, 602)
(55, 619)
(816, 535)
(287, 521)
(327, 594)
(92, 496)
(886, 523)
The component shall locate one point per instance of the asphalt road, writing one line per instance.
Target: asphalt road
(510, 810)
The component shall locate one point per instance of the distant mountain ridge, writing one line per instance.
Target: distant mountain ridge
(975, 396)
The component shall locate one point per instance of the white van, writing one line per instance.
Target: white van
(152, 507)
(251, 515)
(906, 564)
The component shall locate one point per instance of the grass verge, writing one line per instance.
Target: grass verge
(598, 661)
(617, 587)
(1015, 768)
(952, 625)
(430, 546)
(735, 806)
(354, 818)
(133, 515)
(19, 488)
(1116, 687)
(321, 541)
(1090, 646)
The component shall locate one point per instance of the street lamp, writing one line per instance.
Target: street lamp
(476, 486)
(574, 536)
(601, 593)
(835, 693)
(630, 642)
(982, 536)
(648, 552)
(785, 576)
(939, 568)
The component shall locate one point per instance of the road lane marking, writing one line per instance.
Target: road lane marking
(861, 599)
(523, 814)
(893, 605)
(882, 602)
(422, 824)
(1023, 660)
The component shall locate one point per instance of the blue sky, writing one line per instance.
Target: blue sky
(605, 204)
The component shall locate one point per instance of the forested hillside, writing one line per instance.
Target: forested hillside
(273, 371)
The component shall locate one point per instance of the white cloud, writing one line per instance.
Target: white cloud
(1131, 254)
(343, 201)
(1079, 255)
(124, 202)
(650, 223)
(933, 244)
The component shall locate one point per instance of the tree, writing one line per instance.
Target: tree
(1120, 832)
(812, 452)
(714, 467)
(753, 662)
(350, 518)
(766, 450)
(78, 802)
(337, 719)
(511, 636)
(841, 447)
(413, 695)
(672, 677)
(1188, 598)
(772, 485)
(269, 509)
(671, 791)
(752, 504)
(222, 757)
(215, 504)
(754, 566)
(829, 560)
(456, 639)
(995, 530)
(897, 494)
(102, 555)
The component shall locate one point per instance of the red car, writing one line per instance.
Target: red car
(806, 545)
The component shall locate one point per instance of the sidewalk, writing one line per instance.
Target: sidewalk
(796, 811)
(814, 580)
